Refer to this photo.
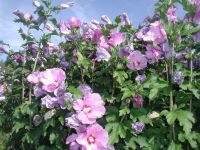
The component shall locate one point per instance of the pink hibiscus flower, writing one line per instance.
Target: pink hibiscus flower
(34, 78)
(90, 108)
(74, 22)
(52, 78)
(95, 138)
(116, 38)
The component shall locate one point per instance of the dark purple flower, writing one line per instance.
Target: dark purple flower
(18, 57)
(137, 101)
(138, 127)
(141, 78)
(178, 77)
(125, 51)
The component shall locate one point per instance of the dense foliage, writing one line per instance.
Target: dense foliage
(106, 85)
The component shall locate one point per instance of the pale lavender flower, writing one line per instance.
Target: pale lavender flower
(153, 53)
(58, 92)
(38, 91)
(138, 127)
(102, 54)
(178, 77)
(66, 5)
(49, 26)
(125, 18)
(36, 3)
(136, 61)
(141, 78)
(168, 51)
(106, 19)
(49, 114)
(72, 122)
(63, 28)
(49, 102)
(85, 89)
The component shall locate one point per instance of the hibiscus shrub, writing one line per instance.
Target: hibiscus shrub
(106, 85)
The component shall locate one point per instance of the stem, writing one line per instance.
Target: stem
(171, 101)
(23, 88)
(191, 78)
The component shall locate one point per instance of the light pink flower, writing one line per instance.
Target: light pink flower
(136, 61)
(63, 28)
(49, 27)
(90, 108)
(155, 33)
(171, 14)
(194, 2)
(3, 49)
(116, 38)
(34, 77)
(52, 78)
(74, 22)
(1, 89)
(95, 138)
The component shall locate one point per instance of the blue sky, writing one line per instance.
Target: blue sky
(86, 10)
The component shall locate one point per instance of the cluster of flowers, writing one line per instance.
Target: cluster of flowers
(50, 83)
(89, 135)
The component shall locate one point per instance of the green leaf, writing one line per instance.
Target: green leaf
(124, 111)
(153, 93)
(120, 76)
(53, 137)
(174, 146)
(127, 93)
(185, 119)
(116, 130)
